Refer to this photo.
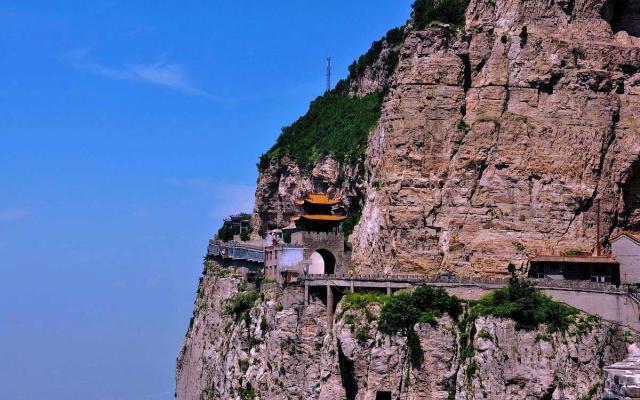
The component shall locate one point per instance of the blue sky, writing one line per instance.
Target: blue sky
(127, 132)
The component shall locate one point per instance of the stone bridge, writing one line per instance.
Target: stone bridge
(609, 302)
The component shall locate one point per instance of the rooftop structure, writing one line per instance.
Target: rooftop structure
(578, 266)
(236, 227)
(318, 199)
(317, 214)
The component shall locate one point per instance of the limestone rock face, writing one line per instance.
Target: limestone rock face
(284, 350)
(496, 143)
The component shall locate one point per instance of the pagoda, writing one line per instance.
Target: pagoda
(317, 214)
(318, 229)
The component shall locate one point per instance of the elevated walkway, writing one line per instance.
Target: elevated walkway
(611, 303)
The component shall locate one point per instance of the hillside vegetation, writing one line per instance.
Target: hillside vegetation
(336, 124)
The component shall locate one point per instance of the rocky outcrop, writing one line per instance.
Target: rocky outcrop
(284, 350)
(623, 378)
(496, 142)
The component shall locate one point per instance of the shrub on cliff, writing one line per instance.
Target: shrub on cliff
(240, 304)
(402, 311)
(522, 302)
(426, 12)
(394, 37)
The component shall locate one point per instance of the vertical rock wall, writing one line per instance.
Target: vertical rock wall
(284, 350)
(495, 142)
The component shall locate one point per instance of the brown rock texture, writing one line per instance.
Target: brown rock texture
(495, 143)
(284, 351)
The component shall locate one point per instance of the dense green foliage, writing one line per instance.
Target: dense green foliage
(402, 311)
(336, 124)
(522, 302)
(426, 12)
(225, 233)
(361, 301)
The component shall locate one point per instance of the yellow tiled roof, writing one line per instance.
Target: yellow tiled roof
(322, 217)
(318, 198)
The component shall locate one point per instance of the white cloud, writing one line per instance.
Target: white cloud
(14, 214)
(161, 73)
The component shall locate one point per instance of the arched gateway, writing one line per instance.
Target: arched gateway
(322, 262)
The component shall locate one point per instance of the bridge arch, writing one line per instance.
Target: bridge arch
(322, 262)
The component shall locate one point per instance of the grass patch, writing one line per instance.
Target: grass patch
(264, 325)
(403, 310)
(361, 301)
(572, 252)
(240, 305)
(247, 392)
(593, 391)
(484, 334)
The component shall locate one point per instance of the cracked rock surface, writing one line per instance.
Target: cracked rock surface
(284, 351)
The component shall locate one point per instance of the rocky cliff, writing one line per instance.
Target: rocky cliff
(277, 348)
(495, 140)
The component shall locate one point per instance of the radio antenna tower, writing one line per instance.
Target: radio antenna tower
(328, 74)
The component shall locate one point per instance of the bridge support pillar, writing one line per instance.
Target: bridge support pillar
(351, 286)
(306, 294)
(329, 308)
(388, 288)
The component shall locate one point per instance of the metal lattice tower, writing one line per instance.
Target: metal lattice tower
(328, 74)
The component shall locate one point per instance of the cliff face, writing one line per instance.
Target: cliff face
(283, 350)
(494, 142)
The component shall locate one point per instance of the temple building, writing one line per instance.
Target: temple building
(318, 229)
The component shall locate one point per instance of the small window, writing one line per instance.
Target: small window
(382, 395)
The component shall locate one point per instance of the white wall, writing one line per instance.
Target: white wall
(627, 253)
(317, 263)
(290, 256)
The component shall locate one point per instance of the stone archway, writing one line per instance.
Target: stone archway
(322, 262)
